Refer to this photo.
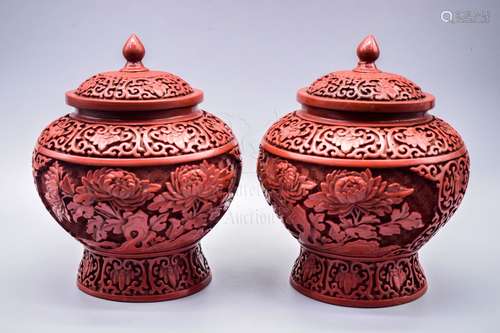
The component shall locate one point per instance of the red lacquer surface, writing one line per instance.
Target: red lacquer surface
(362, 176)
(138, 174)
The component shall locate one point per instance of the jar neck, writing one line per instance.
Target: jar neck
(138, 116)
(363, 117)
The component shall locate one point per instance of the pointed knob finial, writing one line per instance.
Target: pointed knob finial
(133, 51)
(368, 51)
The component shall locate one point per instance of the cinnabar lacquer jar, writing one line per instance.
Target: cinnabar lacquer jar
(138, 174)
(362, 176)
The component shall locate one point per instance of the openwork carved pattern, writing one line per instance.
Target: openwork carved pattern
(76, 137)
(151, 276)
(158, 209)
(384, 88)
(295, 134)
(344, 211)
(358, 280)
(105, 86)
(451, 179)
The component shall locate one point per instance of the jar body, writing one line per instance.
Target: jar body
(362, 193)
(139, 193)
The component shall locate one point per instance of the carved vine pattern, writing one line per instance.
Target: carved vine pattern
(390, 88)
(302, 136)
(76, 137)
(104, 86)
(151, 276)
(120, 211)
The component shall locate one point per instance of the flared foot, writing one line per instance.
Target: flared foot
(150, 278)
(350, 281)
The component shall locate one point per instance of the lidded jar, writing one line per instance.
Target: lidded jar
(362, 176)
(138, 174)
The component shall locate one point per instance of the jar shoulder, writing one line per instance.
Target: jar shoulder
(429, 137)
(158, 138)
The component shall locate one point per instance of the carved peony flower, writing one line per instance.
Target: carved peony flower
(193, 187)
(119, 187)
(283, 177)
(344, 191)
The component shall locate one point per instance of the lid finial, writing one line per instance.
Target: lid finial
(368, 51)
(133, 51)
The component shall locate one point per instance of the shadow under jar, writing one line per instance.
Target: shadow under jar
(138, 174)
(362, 176)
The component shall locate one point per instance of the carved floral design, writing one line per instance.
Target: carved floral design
(345, 192)
(74, 136)
(192, 188)
(105, 86)
(285, 185)
(118, 187)
(116, 209)
(343, 279)
(149, 277)
(103, 139)
(339, 86)
(349, 211)
(296, 134)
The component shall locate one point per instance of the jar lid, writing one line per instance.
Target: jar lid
(366, 88)
(134, 87)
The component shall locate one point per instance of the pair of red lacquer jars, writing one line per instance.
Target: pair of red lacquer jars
(361, 175)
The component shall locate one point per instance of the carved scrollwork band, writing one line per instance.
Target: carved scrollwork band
(158, 277)
(88, 140)
(293, 136)
(361, 87)
(121, 87)
(351, 281)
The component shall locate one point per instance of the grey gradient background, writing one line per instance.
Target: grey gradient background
(249, 58)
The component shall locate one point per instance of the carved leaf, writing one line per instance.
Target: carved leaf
(401, 219)
(299, 222)
(159, 222)
(161, 203)
(363, 231)
(95, 228)
(67, 186)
